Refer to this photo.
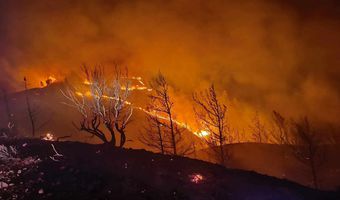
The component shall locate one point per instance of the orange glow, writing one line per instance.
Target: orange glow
(202, 133)
(48, 81)
(48, 137)
(199, 133)
(139, 86)
(260, 71)
(86, 82)
(52, 79)
(196, 178)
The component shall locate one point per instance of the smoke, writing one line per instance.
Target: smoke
(266, 55)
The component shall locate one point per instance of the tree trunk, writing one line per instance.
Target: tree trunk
(173, 139)
(122, 138)
(221, 141)
(315, 180)
(160, 138)
(112, 133)
(222, 155)
(93, 132)
(122, 135)
(29, 110)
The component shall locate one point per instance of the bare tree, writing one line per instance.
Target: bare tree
(305, 142)
(31, 113)
(121, 109)
(309, 147)
(104, 104)
(162, 105)
(211, 115)
(280, 132)
(258, 129)
(153, 134)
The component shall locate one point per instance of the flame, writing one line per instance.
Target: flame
(199, 133)
(48, 81)
(87, 82)
(48, 137)
(140, 86)
(52, 79)
(139, 79)
(202, 133)
(79, 94)
(196, 178)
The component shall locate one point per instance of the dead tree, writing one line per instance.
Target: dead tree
(211, 115)
(308, 147)
(104, 104)
(258, 129)
(120, 109)
(305, 143)
(161, 105)
(153, 134)
(31, 113)
(281, 129)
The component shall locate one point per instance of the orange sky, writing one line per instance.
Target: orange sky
(266, 55)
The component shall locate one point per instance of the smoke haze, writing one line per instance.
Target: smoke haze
(265, 55)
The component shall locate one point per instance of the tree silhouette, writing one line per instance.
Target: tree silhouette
(211, 115)
(105, 103)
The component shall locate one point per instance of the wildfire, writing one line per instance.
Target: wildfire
(48, 81)
(196, 178)
(199, 133)
(48, 137)
(51, 79)
(202, 133)
(86, 82)
(139, 86)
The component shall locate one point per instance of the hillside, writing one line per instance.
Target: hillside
(278, 161)
(268, 159)
(87, 171)
(55, 117)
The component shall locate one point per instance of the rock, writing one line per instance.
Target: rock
(3, 185)
(41, 191)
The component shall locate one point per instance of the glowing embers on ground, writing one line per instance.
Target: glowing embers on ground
(196, 178)
(48, 137)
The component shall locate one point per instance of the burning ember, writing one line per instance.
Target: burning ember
(48, 81)
(202, 133)
(48, 137)
(86, 82)
(196, 178)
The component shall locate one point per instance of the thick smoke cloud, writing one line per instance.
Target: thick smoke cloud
(267, 55)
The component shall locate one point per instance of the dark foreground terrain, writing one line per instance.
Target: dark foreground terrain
(33, 170)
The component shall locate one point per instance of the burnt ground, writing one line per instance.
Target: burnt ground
(88, 171)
